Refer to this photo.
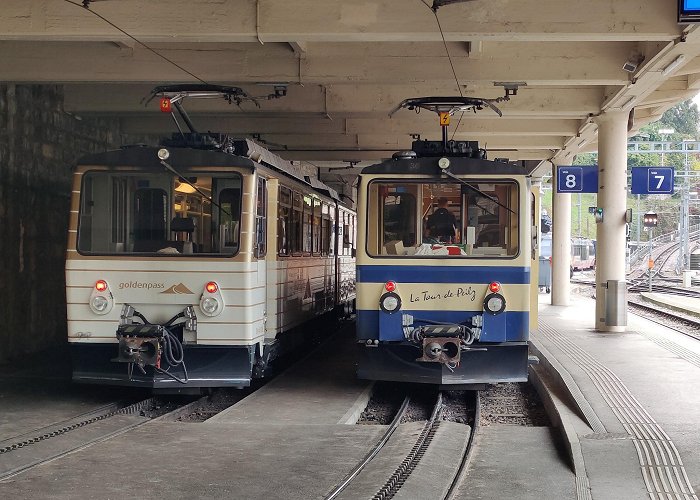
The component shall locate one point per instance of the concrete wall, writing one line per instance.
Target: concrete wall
(39, 144)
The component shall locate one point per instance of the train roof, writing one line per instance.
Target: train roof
(458, 166)
(247, 154)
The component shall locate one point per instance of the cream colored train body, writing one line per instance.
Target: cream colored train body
(196, 268)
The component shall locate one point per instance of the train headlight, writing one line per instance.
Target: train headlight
(211, 302)
(209, 305)
(494, 303)
(101, 300)
(99, 303)
(390, 302)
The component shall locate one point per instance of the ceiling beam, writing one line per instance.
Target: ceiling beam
(337, 101)
(340, 20)
(537, 64)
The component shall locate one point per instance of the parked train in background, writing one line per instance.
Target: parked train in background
(188, 265)
(582, 258)
(450, 307)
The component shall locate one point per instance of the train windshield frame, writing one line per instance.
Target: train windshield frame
(127, 212)
(477, 218)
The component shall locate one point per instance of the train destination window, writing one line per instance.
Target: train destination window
(159, 213)
(477, 218)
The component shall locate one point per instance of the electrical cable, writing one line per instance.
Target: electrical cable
(86, 6)
(433, 9)
(174, 355)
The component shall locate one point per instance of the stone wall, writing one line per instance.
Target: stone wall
(39, 144)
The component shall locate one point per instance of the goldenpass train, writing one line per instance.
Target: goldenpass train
(191, 264)
(452, 306)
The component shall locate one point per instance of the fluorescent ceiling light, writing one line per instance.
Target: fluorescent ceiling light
(673, 65)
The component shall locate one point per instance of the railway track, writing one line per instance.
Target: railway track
(682, 324)
(23, 452)
(423, 441)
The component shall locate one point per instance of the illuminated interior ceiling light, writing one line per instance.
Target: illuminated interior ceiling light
(673, 65)
(183, 187)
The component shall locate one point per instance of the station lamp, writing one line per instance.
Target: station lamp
(651, 219)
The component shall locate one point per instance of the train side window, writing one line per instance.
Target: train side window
(229, 219)
(346, 234)
(307, 224)
(316, 230)
(261, 219)
(326, 232)
(296, 230)
(353, 233)
(284, 222)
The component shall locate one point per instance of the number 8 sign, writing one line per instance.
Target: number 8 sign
(579, 179)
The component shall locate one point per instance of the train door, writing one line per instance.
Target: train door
(535, 236)
(260, 243)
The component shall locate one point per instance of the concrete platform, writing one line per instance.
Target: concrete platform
(688, 305)
(633, 403)
(643, 389)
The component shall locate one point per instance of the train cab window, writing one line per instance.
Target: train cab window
(123, 212)
(475, 218)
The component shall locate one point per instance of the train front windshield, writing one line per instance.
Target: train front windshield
(470, 219)
(145, 213)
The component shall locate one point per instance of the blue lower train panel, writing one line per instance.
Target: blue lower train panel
(397, 363)
(513, 326)
(211, 366)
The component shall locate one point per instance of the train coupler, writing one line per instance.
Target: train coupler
(140, 344)
(441, 350)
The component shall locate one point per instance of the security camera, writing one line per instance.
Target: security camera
(630, 66)
(633, 62)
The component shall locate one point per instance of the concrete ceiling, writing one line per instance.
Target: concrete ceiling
(347, 63)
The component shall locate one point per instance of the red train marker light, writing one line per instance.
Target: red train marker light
(101, 285)
(165, 105)
(390, 286)
(211, 287)
(495, 287)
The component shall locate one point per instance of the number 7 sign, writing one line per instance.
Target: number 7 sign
(652, 180)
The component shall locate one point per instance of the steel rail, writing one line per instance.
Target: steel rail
(398, 478)
(373, 452)
(468, 453)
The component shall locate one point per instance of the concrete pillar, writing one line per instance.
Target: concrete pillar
(612, 197)
(561, 243)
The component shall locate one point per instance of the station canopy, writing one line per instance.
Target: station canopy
(324, 76)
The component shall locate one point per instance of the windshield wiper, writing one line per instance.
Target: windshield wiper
(469, 186)
(183, 178)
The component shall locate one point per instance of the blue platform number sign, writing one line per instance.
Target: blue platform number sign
(689, 11)
(652, 180)
(578, 179)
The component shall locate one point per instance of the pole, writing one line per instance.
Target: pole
(650, 263)
(579, 215)
(639, 224)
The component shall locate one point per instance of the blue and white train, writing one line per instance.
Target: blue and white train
(454, 311)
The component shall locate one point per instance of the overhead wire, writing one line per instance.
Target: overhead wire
(434, 10)
(86, 6)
